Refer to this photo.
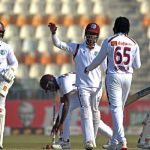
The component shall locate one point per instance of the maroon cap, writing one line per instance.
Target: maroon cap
(92, 28)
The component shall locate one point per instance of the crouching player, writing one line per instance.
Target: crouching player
(144, 139)
(8, 66)
(65, 84)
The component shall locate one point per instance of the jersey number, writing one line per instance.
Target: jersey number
(118, 56)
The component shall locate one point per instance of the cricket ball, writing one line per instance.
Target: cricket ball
(48, 146)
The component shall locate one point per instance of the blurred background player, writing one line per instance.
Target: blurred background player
(8, 66)
(88, 86)
(144, 139)
(66, 86)
(123, 56)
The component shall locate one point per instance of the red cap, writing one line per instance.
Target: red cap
(92, 28)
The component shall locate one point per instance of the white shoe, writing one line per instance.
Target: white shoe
(121, 146)
(112, 147)
(65, 144)
(89, 145)
(62, 145)
(105, 146)
(146, 146)
(143, 146)
(56, 146)
(140, 145)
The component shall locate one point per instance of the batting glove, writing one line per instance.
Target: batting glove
(9, 74)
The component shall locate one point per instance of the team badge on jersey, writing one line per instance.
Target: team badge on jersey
(3, 52)
(113, 43)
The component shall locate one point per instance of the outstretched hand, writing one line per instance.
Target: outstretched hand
(52, 27)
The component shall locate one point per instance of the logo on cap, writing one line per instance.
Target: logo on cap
(93, 26)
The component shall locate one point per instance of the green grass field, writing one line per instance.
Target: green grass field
(37, 142)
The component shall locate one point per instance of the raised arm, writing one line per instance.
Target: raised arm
(56, 41)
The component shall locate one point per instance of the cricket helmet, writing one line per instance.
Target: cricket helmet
(48, 82)
(2, 30)
(92, 32)
(121, 25)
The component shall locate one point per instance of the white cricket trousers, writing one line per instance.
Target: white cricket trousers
(118, 87)
(89, 100)
(73, 104)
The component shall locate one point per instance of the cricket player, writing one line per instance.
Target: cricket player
(88, 85)
(123, 56)
(144, 139)
(65, 85)
(8, 66)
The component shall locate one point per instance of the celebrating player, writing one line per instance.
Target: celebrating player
(88, 86)
(123, 56)
(8, 66)
(65, 85)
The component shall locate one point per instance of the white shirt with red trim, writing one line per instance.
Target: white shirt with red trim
(66, 83)
(122, 53)
(83, 58)
(7, 57)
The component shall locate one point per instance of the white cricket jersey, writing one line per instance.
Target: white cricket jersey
(66, 83)
(7, 57)
(83, 58)
(125, 52)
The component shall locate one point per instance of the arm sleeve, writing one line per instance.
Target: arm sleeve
(100, 57)
(62, 45)
(12, 60)
(104, 64)
(137, 61)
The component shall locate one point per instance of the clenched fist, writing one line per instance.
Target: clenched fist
(52, 27)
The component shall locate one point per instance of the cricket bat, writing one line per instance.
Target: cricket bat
(50, 146)
(137, 96)
(54, 111)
